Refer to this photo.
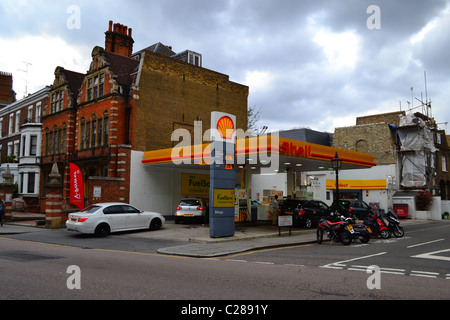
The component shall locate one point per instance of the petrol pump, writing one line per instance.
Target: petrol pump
(242, 207)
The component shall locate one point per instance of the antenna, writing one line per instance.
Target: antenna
(26, 77)
(426, 104)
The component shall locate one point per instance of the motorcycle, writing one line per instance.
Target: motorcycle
(336, 231)
(378, 226)
(358, 230)
(394, 224)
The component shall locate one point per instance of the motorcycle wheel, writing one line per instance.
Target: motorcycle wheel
(345, 237)
(319, 235)
(385, 234)
(365, 238)
(398, 232)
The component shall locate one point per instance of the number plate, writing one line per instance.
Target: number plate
(188, 215)
(73, 220)
(350, 228)
(368, 229)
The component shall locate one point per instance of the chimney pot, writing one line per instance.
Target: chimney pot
(110, 25)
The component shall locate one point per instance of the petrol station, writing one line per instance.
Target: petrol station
(220, 171)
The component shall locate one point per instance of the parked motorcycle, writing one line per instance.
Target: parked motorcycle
(394, 224)
(336, 231)
(358, 230)
(378, 226)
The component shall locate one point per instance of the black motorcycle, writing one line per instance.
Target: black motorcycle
(357, 230)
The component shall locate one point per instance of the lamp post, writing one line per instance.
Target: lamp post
(336, 163)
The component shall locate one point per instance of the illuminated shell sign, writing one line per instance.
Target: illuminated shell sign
(223, 127)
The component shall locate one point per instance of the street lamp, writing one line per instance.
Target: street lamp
(336, 163)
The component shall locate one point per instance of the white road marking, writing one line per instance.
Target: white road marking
(432, 255)
(424, 243)
(424, 274)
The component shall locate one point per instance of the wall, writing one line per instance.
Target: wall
(375, 139)
(173, 94)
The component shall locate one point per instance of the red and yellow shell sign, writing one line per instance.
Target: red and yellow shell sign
(223, 127)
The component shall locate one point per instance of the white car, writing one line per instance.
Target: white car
(103, 218)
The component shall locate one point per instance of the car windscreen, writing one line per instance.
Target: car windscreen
(90, 209)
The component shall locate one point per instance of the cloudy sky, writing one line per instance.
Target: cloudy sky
(308, 63)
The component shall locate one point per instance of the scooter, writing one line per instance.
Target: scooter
(376, 225)
(394, 224)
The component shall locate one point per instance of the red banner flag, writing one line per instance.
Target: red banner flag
(76, 186)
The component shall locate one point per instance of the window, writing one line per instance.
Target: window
(88, 134)
(17, 121)
(30, 114)
(57, 101)
(31, 180)
(64, 140)
(33, 145)
(116, 209)
(10, 124)
(16, 149)
(50, 143)
(38, 112)
(47, 139)
(444, 163)
(195, 59)
(95, 87)
(105, 131)
(82, 134)
(94, 133)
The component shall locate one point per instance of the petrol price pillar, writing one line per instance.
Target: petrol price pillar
(222, 175)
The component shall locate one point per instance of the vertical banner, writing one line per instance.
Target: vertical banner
(76, 186)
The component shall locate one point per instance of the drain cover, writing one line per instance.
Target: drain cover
(25, 256)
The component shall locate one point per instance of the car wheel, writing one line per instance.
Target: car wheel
(155, 224)
(102, 230)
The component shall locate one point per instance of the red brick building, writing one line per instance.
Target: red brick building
(20, 147)
(127, 102)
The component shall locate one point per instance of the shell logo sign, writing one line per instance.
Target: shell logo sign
(223, 127)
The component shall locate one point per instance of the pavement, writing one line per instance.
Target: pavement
(199, 244)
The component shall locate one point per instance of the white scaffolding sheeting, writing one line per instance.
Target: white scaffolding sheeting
(416, 145)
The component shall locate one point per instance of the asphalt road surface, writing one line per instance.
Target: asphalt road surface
(120, 267)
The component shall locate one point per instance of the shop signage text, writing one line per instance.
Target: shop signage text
(290, 148)
(224, 198)
(194, 184)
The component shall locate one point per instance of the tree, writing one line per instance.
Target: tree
(253, 117)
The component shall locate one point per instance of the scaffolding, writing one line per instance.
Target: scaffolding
(417, 152)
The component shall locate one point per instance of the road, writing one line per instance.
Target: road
(38, 266)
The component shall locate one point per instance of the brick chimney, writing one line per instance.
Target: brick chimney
(118, 39)
(7, 95)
